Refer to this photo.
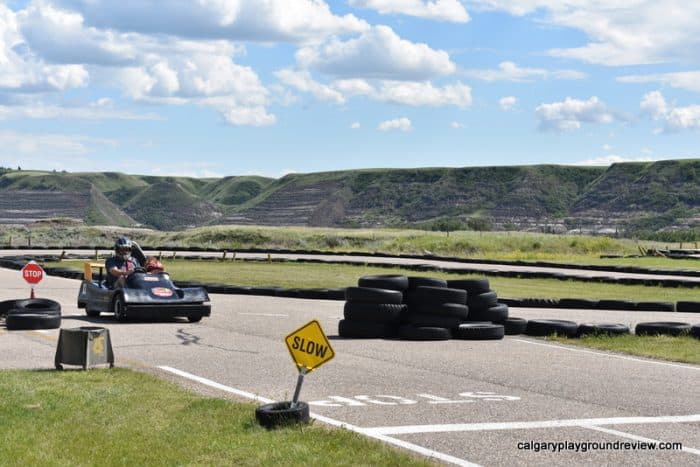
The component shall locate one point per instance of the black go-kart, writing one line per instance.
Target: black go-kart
(145, 296)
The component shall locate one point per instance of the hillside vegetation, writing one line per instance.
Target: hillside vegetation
(628, 198)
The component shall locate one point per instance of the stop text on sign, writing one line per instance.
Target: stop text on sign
(32, 273)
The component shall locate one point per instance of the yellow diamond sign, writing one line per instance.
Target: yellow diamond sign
(309, 346)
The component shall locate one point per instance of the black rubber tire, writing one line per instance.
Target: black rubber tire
(423, 333)
(514, 326)
(6, 306)
(374, 312)
(688, 307)
(314, 294)
(610, 329)
(482, 300)
(194, 318)
(30, 321)
(472, 286)
(432, 320)
(668, 328)
(654, 306)
(365, 329)
(384, 281)
(436, 295)
(545, 327)
(496, 313)
(280, 414)
(415, 282)
(445, 309)
(37, 305)
(372, 295)
(695, 331)
(616, 305)
(578, 303)
(479, 331)
(92, 313)
(119, 308)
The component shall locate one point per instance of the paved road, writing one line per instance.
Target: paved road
(461, 402)
(573, 271)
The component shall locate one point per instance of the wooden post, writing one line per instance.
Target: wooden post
(96, 254)
(233, 257)
(269, 258)
(223, 257)
(63, 255)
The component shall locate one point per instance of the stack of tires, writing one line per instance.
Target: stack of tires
(434, 311)
(34, 313)
(485, 308)
(375, 308)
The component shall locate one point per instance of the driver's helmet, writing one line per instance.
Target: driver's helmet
(122, 247)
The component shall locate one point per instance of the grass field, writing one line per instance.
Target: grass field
(679, 349)
(314, 275)
(121, 417)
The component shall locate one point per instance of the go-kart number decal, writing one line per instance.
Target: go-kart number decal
(161, 292)
(151, 279)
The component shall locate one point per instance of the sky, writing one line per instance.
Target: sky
(213, 88)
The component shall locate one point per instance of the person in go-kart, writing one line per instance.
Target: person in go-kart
(121, 265)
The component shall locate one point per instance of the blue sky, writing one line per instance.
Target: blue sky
(268, 87)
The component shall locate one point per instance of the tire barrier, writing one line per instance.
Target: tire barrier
(479, 331)
(695, 331)
(472, 286)
(609, 329)
(667, 328)
(514, 326)
(32, 314)
(280, 414)
(545, 327)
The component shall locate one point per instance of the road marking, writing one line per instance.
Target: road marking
(621, 357)
(583, 422)
(638, 438)
(330, 421)
(275, 315)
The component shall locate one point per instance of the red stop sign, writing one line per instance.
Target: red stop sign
(32, 273)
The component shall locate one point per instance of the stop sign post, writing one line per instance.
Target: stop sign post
(32, 273)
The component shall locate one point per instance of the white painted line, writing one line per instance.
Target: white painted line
(609, 355)
(275, 315)
(638, 438)
(587, 422)
(330, 421)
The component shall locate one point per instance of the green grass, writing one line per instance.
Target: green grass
(678, 349)
(315, 275)
(122, 417)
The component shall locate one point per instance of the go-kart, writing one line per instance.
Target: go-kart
(146, 295)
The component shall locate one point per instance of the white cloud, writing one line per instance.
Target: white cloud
(32, 145)
(397, 124)
(612, 159)
(378, 53)
(456, 125)
(98, 110)
(425, 94)
(508, 102)
(607, 148)
(620, 32)
(441, 10)
(688, 80)
(674, 118)
(355, 125)
(569, 114)
(509, 71)
(245, 20)
(302, 81)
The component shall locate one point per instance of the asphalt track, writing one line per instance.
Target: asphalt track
(459, 402)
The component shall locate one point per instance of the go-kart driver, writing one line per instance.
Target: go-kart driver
(121, 265)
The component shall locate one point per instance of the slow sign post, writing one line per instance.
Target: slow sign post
(309, 348)
(32, 273)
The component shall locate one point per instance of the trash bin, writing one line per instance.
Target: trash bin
(85, 346)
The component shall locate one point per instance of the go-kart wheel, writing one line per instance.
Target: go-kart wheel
(194, 318)
(119, 308)
(92, 313)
